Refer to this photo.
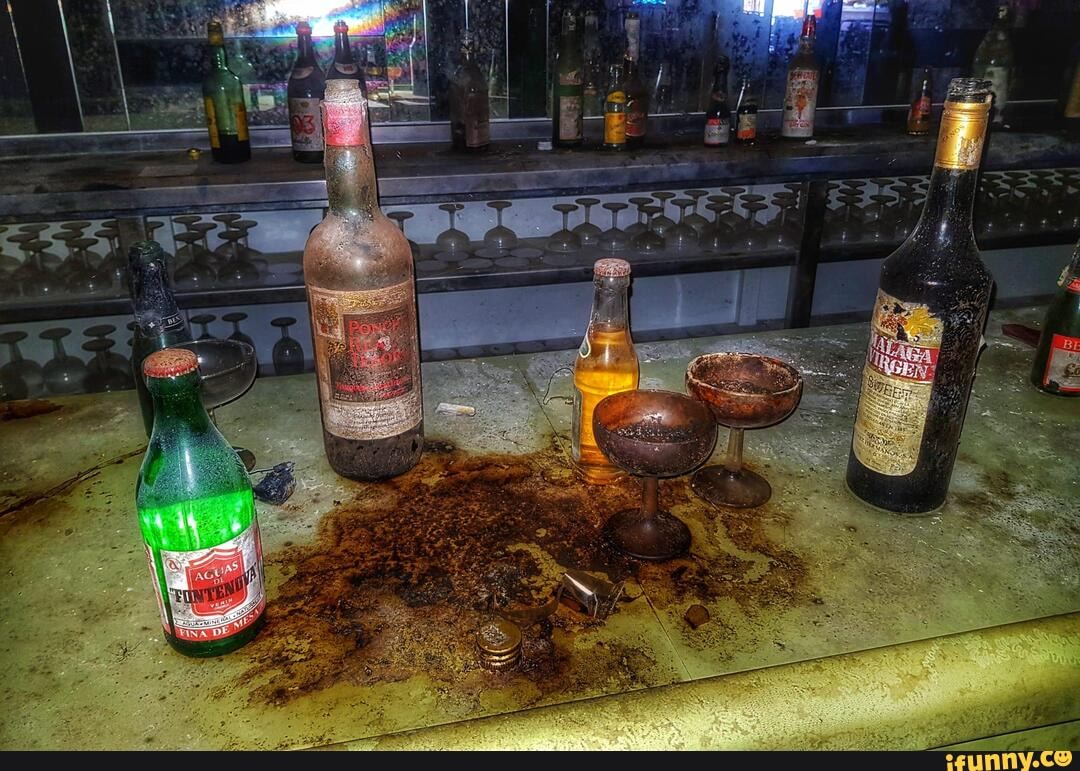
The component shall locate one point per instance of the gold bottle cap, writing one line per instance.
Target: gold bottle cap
(963, 124)
(499, 644)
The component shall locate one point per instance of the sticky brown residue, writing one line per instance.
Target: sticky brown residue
(20, 410)
(398, 579)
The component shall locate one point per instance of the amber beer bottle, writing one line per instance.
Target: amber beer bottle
(926, 329)
(1056, 369)
(606, 364)
(362, 296)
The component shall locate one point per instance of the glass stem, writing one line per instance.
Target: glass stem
(733, 462)
(650, 491)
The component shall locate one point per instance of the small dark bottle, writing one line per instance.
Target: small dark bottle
(926, 330)
(470, 112)
(1056, 369)
(158, 322)
(746, 116)
(718, 116)
(344, 66)
(918, 119)
(306, 87)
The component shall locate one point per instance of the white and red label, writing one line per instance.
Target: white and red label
(717, 132)
(218, 592)
(1063, 364)
(305, 122)
(800, 102)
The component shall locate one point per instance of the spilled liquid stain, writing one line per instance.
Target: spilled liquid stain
(397, 580)
(20, 410)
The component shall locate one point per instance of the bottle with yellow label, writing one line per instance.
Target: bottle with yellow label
(223, 100)
(615, 110)
(926, 329)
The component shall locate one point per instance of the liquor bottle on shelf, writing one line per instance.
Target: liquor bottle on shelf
(615, 110)
(926, 330)
(994, 62)
(223, 100)
(158, 321)
(606, 364)
(307, 84)
(566, 102)
(918, 119)
(718, 116)
(1070, 95)
(746, 115)
(1056, 369)
(358, 269)
(343, 66)
(801, 92)
(593, 84)
(637, 96)
(197, 517)
(470, 112)
(241, 67)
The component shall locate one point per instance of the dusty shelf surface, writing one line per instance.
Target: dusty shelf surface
(376, 590)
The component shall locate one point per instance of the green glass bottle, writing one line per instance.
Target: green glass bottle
(223, 99)
(197, 516)
(1056, 368)
(568, 86)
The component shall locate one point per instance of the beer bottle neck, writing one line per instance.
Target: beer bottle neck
(609, 302)
(154, 304)
(305, 55)
(351, 186)
(342, 49)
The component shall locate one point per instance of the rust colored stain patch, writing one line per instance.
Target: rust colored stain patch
(31, 408)
(399, 578)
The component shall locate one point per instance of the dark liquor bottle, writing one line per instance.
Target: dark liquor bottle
(926, 331)
(344, 66)
(746, 115)
(306, 88)
(918, 119)
(718, 116)
(1056, 369)
(615, 110)
(593, 84)
(801, 93)
(358, 268)
(158, 322)
(470, 111)
(994, 62)
(223, 99)
(197, 517)
(637, 96)
(568, 91)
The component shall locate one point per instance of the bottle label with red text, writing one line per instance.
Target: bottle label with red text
(305, 121)
(636, 119)
(1062, 372)
(717, 132)
(367, 360)
(901, 362)
(215, 593)
(800, 101)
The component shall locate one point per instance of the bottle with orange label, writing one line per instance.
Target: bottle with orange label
(918, 119)
(223, 100)
(358, 269)
(606, 364)
(615, 110)
(926, 329)
(1056, 369)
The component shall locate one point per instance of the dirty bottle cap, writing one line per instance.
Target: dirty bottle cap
(499, 644)
(170, 362)
(611, 267)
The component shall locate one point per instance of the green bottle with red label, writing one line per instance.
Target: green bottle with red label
(197, 517)
(1056, 369)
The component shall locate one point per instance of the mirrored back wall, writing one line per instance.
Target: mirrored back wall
(118, 65)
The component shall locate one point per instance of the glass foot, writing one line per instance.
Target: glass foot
(657, 537)
(738, 489)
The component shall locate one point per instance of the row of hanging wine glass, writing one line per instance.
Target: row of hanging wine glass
(106, 366)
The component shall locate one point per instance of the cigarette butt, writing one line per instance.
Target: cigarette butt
(445, 408)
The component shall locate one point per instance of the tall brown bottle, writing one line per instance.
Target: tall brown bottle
(362, 295)
(925, 334)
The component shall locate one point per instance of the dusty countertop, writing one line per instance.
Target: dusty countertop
(815, 600)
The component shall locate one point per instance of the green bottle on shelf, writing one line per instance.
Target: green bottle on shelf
(197, 517)
(223, 100)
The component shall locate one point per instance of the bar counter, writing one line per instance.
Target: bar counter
(831, 624)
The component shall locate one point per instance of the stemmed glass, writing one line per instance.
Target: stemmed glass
(226, 220)
(210, 257)
(754, 237)
(235, 318)
(588, 234)
(26, 370)
(878, 228)
(500, 239)
(853, 188)
(699, 223)
(204, 320)
(288, 354)
(86, 279)
(195, 273)
(101, 376)
(399, 217)
(35, 280)
(718, 236)
(649, 241)
(641, 225)
(47, 260)
(785, 235)
(565, 240)
(64, 374)
(614, 240)
(662, 223)
(102, 332)
(847, 230)
(7, 262)
(452, 241)
(238, 271)
(114, 264)
(681, 236)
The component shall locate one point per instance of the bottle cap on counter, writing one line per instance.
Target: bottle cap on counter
(499, 644)
(611, 267)
(170, 362)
